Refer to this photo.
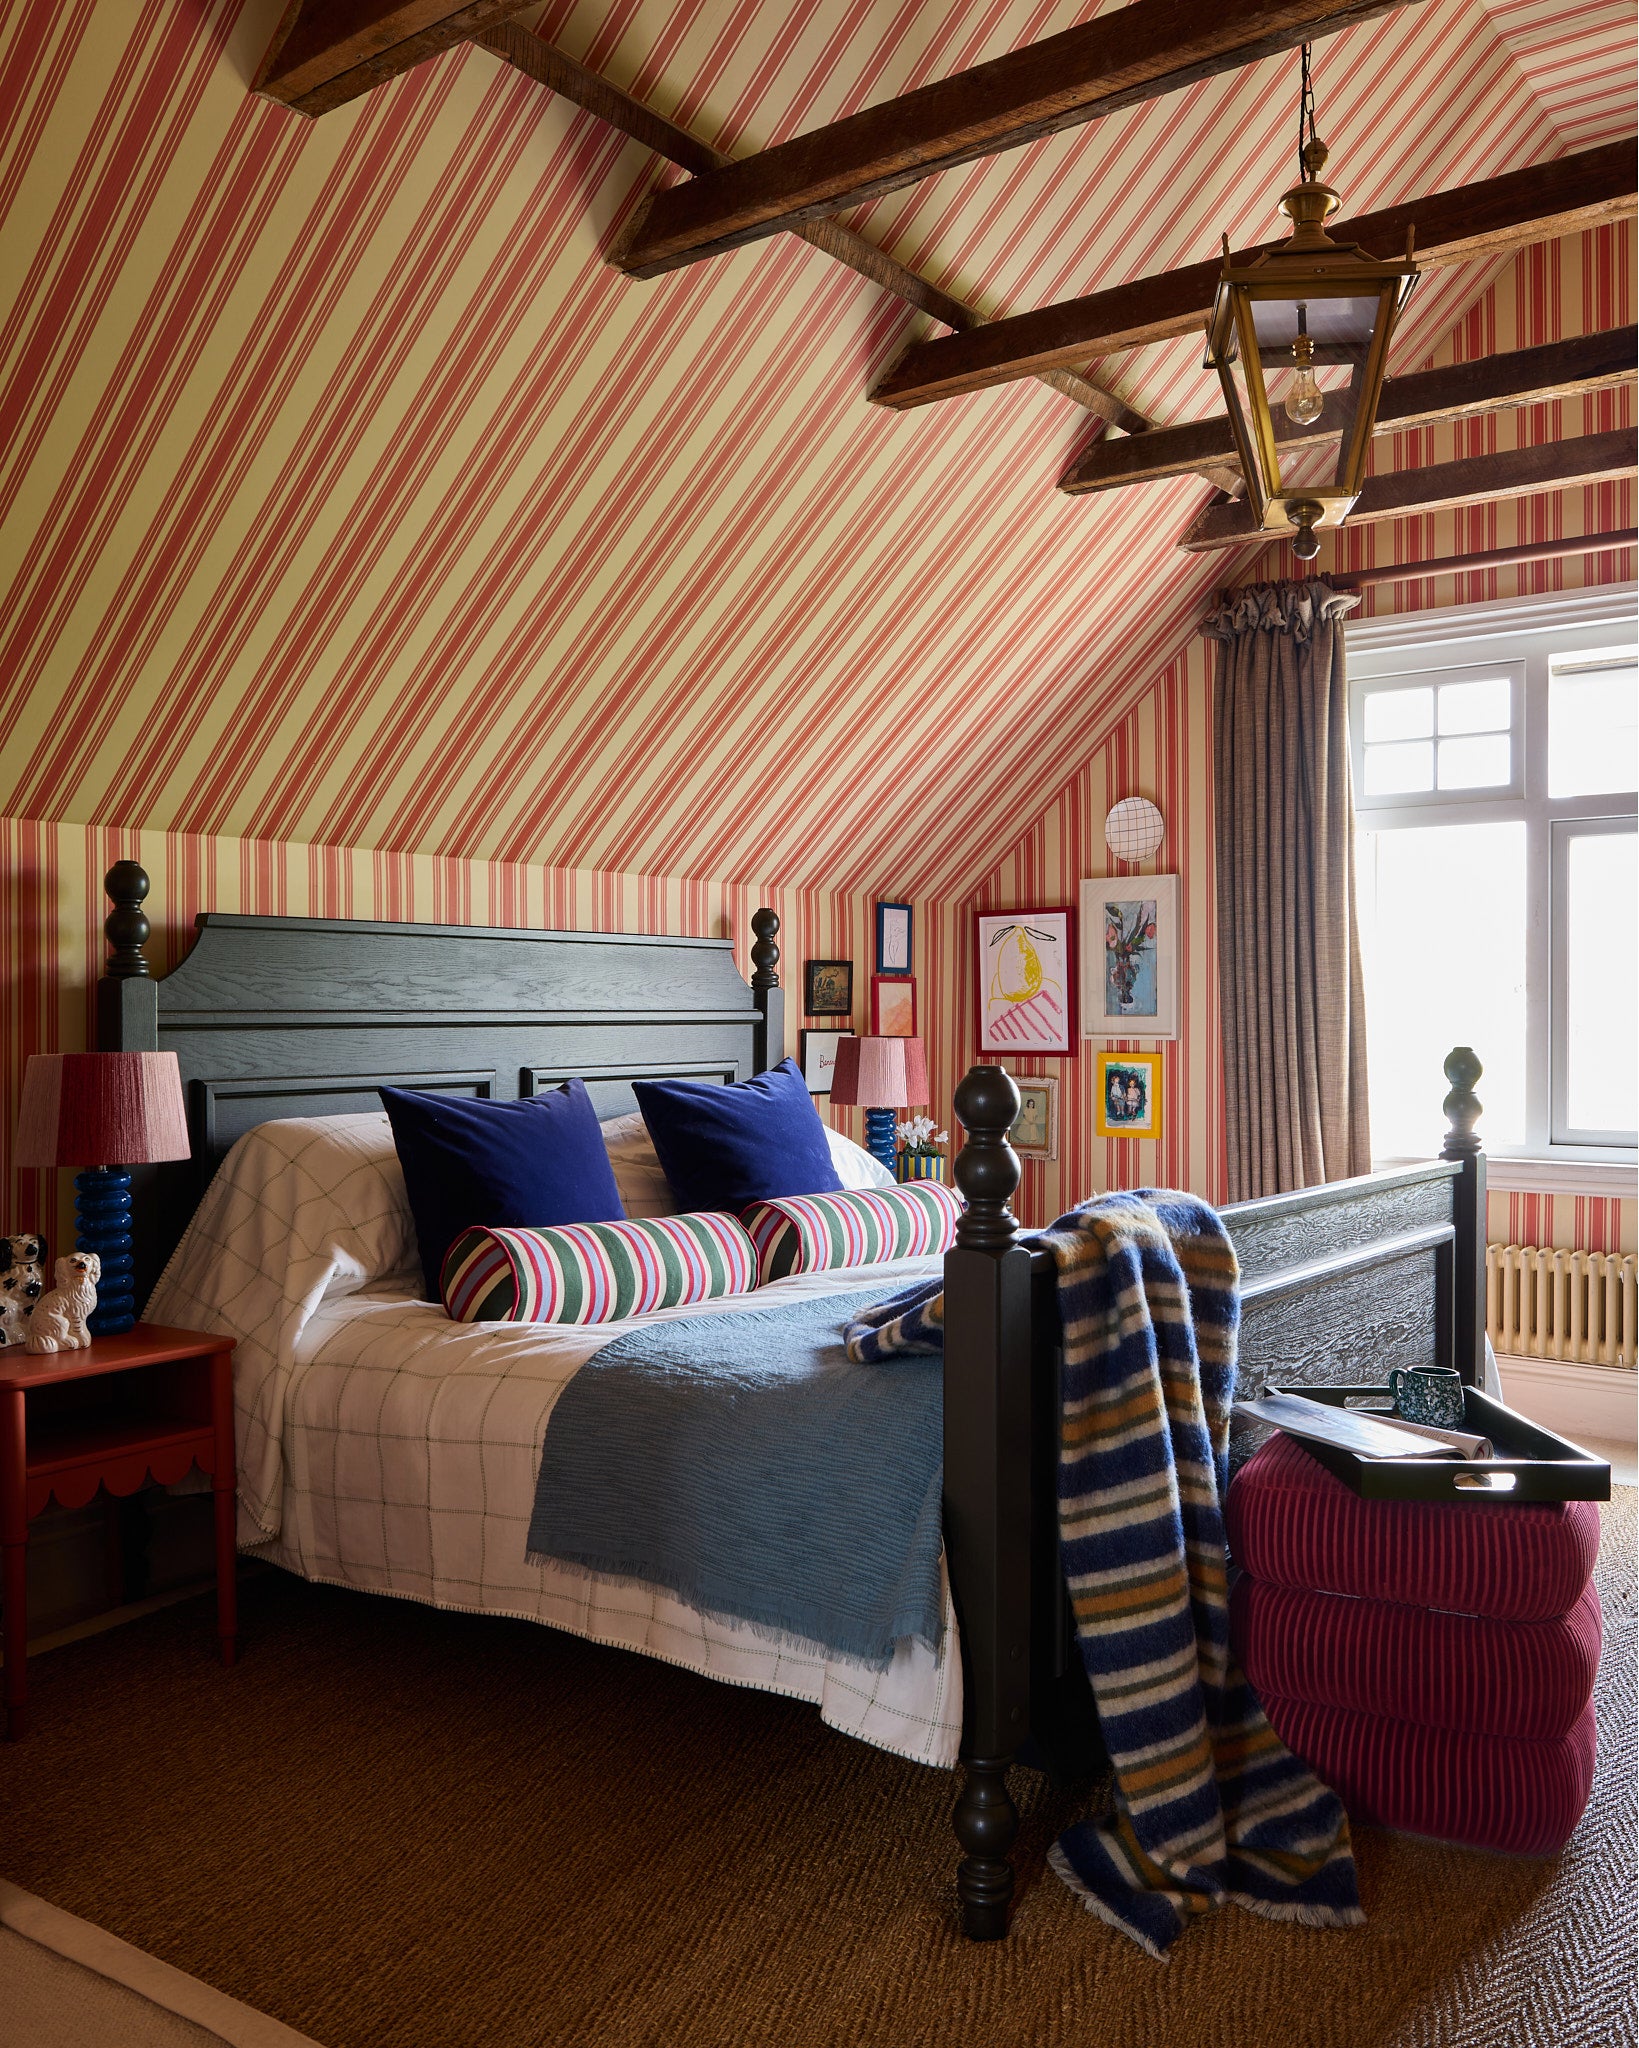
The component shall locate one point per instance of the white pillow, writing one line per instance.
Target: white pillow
(645, 1191)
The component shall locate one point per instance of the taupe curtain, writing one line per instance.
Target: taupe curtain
(1294, 1021)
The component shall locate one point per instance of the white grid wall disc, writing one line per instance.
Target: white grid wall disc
(1134, 828)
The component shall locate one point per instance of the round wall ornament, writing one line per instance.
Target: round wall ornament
(1134, 828)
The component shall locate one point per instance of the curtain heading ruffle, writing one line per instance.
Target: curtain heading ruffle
(1278, 608)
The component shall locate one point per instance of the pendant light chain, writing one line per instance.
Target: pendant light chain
(1306, 112)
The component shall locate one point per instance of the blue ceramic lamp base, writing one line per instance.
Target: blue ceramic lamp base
(879, 1136)
(102, 1212)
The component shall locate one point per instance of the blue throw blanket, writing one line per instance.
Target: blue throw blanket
(741, 1461)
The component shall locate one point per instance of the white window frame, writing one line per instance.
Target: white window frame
(1417, 648)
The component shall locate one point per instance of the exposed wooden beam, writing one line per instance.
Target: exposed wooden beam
(1137, 53)
(1484, 558)
(1534, 205)
(325, 52)
(1475, 479)
(1526, 376)
(550, 67)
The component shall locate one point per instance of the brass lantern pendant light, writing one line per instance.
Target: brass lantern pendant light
(1311, 318)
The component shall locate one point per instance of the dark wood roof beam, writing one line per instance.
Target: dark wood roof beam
(1527, 376)
(1137, 53)
(1442, 486)
(1485, 219)
(325, 52)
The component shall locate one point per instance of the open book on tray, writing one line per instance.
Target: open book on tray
(1367, 1435)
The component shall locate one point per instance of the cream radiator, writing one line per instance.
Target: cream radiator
(1578, 1306)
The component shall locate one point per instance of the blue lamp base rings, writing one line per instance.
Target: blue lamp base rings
(102, 1215)
(879, 1136)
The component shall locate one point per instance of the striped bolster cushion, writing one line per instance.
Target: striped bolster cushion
(595, 1272)
(1486, 1791)
(1529, 1679)
(859, 1227)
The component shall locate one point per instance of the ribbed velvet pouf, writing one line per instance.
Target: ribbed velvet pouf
(1433, 1662)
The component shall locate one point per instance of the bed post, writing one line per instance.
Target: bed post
(769, 997)
(1462, 1142)
(128, 1021)
(987, 1491)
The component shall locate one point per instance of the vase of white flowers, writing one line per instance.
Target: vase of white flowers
(918, 1156)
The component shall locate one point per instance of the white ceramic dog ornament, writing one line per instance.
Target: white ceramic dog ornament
(58, 1321)
(22, 1282)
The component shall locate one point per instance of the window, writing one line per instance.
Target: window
(1496, 759)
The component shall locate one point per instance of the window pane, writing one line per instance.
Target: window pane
(1394, 771)
(1442, 930)
(1398, 715)
(1591, 733)
(1602, 983)
(1477, 707)
(1483, 762)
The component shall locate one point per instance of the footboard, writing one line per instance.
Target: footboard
(1338, 1284)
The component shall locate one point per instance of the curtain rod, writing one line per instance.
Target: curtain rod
(1489, 558)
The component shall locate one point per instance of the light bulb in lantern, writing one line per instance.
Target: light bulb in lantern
(1303, 397)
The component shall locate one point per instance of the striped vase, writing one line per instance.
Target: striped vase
(919, 1166)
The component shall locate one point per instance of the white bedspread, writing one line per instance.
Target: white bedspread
(384, 1447)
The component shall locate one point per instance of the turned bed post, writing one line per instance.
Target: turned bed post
(766, 991)
(1462, 1143)
(987, 1491)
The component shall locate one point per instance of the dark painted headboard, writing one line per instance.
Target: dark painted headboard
(307, 1016)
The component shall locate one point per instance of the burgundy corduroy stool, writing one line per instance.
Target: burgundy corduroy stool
(1433, 1662)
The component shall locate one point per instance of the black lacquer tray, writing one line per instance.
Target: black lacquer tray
(1531, 1462)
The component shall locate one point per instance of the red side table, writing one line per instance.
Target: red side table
(149, 1402)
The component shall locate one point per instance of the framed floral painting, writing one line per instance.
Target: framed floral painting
(1027, 982)
(1129, 963)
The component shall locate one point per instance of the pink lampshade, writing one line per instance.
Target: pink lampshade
(880, 1073)
(101, 1109)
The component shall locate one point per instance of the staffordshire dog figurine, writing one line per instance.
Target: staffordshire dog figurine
(58, 1321)
(22, 1282)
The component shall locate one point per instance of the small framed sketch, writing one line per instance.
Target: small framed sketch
(1129, 966)
(895, 931)
(893, 1006)
(828, 988)
(1129, 1095)
(1027, 985)
(818, 1053)
(1035, 1132)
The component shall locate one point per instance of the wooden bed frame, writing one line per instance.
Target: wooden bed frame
(280, 1016)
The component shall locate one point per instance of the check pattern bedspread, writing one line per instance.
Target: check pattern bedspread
(385, 1448)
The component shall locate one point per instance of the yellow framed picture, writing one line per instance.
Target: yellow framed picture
(1130, 1094)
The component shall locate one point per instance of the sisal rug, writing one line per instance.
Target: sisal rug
(395, 1828)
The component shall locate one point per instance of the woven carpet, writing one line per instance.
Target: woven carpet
(394, 1826)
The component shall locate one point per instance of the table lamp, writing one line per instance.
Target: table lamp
(88, 1109)
(880, 1076)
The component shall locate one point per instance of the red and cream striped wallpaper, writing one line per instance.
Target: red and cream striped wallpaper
(368, 545)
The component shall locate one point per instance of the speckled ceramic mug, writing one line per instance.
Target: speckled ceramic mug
(1429, 1394)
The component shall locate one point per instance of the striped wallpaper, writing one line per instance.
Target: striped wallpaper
(369, 547)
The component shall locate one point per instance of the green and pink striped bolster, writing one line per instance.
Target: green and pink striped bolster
(858, 1227)
(595, 1272)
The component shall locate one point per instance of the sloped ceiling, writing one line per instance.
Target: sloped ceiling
(347, 495)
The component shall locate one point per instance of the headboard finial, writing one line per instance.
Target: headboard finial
(127, 929)
(1462, 1106)
(765, 955)
(987, 1167)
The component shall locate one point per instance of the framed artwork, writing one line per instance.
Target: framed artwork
(893, 1006)
(828, 988)
(1129, 964)
(1035, 1132)
(1129, 1094)
(895, 932)
(1027, 984)
(817, 1055)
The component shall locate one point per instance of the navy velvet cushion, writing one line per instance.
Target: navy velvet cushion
(724, 1145)
(530, 1164)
